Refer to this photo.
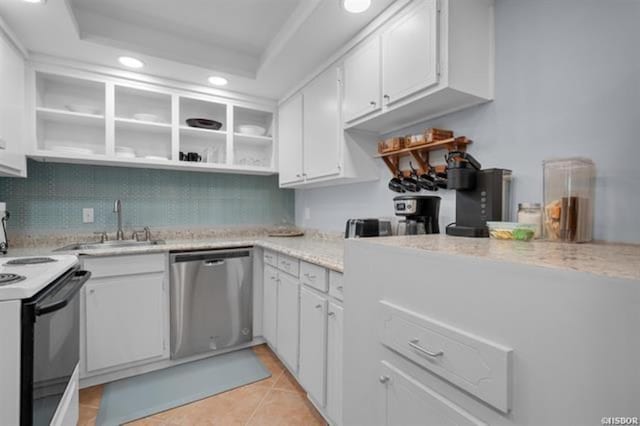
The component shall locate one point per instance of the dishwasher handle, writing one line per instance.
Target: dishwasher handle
(209, 256)
(213, 262)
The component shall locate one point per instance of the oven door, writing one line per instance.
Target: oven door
(50, 346)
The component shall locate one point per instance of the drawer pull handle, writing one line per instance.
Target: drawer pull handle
(318, 306)
(331, 314)
(384, 379)
(340, 287)
(414, 344)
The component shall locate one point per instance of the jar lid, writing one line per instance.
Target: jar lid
(529, 206)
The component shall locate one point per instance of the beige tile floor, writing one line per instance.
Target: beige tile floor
(278, 400)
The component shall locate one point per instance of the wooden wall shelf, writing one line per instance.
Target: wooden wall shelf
(420, 154)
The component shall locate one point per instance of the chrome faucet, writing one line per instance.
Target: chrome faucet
(117, 208)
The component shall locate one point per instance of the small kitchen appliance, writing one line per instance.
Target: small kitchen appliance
(420, 213)
(363, 228)
(481, 195)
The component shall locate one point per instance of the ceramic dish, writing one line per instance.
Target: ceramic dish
(83, 109)
(125, 149)
(250, 129)
(125, 155)
(72, 150)
(204, 123)
(146, 117)
(155, 157)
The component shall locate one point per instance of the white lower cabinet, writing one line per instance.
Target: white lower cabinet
(270, 305)
(288, 320)
(125, 313)
(303, 322)
(405, 401)
(124, 320)
(313, 343)
(334, 362)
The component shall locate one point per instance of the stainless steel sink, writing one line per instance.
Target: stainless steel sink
(109, 244)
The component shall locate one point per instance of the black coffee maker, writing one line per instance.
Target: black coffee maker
(481, 195)
(420, 214)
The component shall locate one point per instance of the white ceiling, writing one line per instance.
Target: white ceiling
(264, 47)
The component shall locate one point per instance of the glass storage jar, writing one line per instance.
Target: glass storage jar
(531, 214)
(569, 187)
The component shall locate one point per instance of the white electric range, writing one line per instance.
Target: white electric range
(40, 335)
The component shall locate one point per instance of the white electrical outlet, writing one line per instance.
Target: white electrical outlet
(87, 215)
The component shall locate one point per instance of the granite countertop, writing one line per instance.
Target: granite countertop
(606, 259)
(326, 252)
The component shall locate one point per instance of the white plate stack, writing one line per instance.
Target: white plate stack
(125, 152)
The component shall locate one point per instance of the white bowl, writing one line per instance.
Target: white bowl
(146, 117)
(83, 109)
(125, 149)
(250, 129)
(126, 154)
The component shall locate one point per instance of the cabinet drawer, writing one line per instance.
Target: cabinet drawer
(113, 266)
(289, 264)
(405, 401)
(472, 363)
(270, 258)
(314, 276)
(336, 285)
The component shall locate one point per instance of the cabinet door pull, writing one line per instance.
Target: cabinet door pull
(331, 314)
(318, 306)
(340, 287)
(373, 103)
(414, 344)
(384, 379)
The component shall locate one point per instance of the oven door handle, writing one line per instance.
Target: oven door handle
(67, 292)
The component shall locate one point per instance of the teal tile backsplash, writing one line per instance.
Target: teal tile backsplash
(52, 198)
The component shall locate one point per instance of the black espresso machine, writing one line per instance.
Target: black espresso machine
(481, 195)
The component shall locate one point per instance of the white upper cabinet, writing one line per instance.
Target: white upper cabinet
(322, 127)
(410, 53)
(314, 149)
(290, 140)
(12, 110)
(362, 81)
(434, 57)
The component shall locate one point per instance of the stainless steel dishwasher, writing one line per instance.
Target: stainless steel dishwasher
(211, 300)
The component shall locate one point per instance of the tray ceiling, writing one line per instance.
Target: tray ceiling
(262, 46)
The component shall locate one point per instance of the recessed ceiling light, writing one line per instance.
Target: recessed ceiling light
(218, 81)
(130, 62)
(355, 6)
(35, 1)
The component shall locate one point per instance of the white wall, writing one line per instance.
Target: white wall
(567, 84)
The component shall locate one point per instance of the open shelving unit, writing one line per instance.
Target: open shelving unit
(420, 154)
(87, 118)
